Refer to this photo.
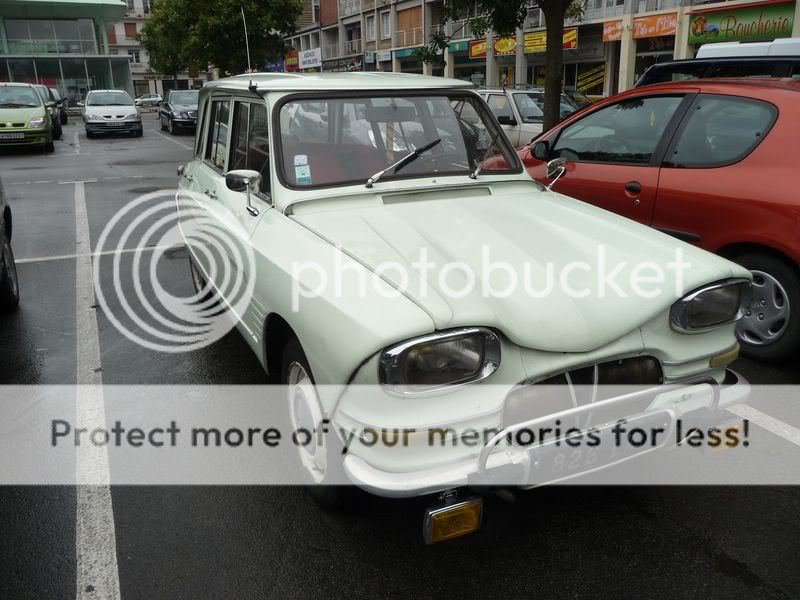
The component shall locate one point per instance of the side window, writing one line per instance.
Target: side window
(258, 145)
(627, 132)
(241, 119)
(500, 106)
(721, 130)
(216, 147)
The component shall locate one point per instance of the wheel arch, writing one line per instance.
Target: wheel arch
(731, 251)
(276, 334)
(7, 222)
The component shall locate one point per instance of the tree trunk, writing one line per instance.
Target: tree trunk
(554, 11)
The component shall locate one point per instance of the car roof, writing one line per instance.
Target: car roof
(293, 82)
(101, 91)
(16, 84)
(720, 83)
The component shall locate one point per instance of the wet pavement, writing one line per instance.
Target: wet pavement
(262, 542)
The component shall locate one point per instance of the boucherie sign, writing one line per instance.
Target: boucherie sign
(748, 24)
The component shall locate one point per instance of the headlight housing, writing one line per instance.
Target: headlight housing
(181, 115)
(134, 117)
(36, 123)
(441, 360)
(710, 306)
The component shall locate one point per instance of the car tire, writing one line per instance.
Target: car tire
(50, 147)
(57, 132)
(163, 127)
(89, 134)
(770, 329)
(9, 282)
(172, 130)
(305, 412)
(63, 118)
(139, 132)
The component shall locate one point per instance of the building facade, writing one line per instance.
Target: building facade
(62, 44)
(604, 52)
(122, 42)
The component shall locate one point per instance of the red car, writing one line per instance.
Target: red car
(710, 162)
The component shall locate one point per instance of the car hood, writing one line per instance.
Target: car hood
(184, 107)
(111, 111)
(543, 230)
(20, 115)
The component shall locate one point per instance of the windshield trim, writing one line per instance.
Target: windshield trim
(514, 169)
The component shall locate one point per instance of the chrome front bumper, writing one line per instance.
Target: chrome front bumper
(702, 403)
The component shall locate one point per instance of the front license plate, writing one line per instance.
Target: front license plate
(115, 123)
(12, 136)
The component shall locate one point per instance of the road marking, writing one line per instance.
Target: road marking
(771, 424)
(95, 538)
(39, 259)
(72, 182)
(181, 144)
(82, 181)
(77, 144)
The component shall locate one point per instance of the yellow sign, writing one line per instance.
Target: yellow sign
(537, 41)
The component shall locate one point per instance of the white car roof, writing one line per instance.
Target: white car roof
(291, 82)
(105, 91)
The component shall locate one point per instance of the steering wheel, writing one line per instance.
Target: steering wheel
(611, 144)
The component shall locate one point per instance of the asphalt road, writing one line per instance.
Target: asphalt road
(264, 542)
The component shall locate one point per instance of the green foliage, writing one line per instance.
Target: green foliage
(191, 34)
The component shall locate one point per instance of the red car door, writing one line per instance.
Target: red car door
(613, 153)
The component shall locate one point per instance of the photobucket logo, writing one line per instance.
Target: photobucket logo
(482, 274)
(145, 299)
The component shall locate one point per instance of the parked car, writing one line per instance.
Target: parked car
(52, 108)
(776, 59)
(24, 119)
(179, 111)
(9, 282)
(300, 195)
(706, 161)
(581, 100)
(111, 111)
(521, 111)
(148, 100)
(62, 106)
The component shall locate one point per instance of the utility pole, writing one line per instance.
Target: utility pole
(246, 41)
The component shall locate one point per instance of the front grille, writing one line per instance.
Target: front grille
(192, 114)
(16, 125)
(584, 386)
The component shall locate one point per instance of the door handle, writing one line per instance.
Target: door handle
(633, 187)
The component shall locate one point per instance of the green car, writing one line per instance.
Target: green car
(24, 118)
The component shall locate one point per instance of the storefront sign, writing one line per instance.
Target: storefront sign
(291, 61)
(590, 78)
(612, 31)
(352, 63)
(742, 25)
(477, 49)
(655, 25)
(505, 46)
(383, 55)
(369, 57)
(310, 59)
(461, 46)
(537, 41)
(278, 66)
(405, 53)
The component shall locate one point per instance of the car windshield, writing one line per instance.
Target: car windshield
(12, 96)
(347, 140)
(183, 98)
(566, 105)
(109, 99)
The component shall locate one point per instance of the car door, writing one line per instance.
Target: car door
(500, 105)
(614, 153)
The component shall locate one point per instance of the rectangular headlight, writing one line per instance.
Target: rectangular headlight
(710, 306)
(36, 123)
(440, 360)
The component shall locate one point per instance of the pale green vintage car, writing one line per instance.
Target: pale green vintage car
(328, 181)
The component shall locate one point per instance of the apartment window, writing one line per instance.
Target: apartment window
(130, 31)
(148, 6)
(386, 25)
(133, 57)
(112, 36)
(370, 26)
(131, 6)
(316, 11)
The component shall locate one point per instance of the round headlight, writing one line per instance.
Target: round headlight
(440, 360)
(710, 306)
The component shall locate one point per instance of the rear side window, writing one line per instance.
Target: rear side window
(217, 144)
(720, 131)
(250, 141)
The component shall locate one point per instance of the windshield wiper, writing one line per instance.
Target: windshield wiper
(406, 160)
(477, 171)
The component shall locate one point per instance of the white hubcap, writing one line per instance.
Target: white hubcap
(306, 416)
(766, 318)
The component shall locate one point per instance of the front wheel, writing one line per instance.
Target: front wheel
(50, 147)
(9, 283)
(172, 129)
(321, 459)
(163, 127)
(770, 327)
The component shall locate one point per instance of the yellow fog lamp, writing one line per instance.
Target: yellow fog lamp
(452, 520)
(724, 359)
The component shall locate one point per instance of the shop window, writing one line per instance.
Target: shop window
(721, 131)
(627, 132)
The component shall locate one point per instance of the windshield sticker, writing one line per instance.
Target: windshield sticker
(302, 174)
(300, 160)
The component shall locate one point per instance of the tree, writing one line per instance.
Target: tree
(191, 34)
(504, 17)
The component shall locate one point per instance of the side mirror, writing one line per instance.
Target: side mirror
(81, 104)
(244, 180)
(555, 170)
(541, 150)
(506, 120)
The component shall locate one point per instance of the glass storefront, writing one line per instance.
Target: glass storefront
(50, 36)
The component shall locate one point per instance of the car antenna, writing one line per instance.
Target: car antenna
(253, 87)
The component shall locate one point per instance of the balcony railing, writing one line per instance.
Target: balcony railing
(602, 9)
(352, 47)
(461, 29)
(649, 5)
(330, 51)
(349, 7)
(409, 37)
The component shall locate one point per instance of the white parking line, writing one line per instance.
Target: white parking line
(95, 538)
(181, 144)
(40, 259)
(77, 144)
(765, 421)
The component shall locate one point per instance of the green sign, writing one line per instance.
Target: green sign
(461, 46)
(405, 53)
(749, 24)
